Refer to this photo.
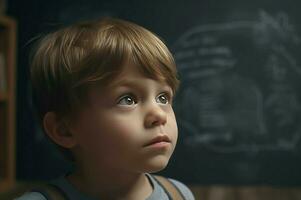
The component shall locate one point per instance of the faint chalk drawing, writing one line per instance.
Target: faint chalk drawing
(240, 85)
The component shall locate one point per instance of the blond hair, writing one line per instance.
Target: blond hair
(66, 62)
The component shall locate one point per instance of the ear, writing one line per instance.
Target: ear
(58, 131)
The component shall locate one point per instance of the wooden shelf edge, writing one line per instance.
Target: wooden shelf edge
(7, 21)
(3, 97)
(7, 99)
(6, 184)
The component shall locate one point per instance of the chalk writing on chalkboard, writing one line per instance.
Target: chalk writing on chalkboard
(240, 85)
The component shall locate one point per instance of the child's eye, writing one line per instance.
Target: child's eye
(127, 100)
(163, 98)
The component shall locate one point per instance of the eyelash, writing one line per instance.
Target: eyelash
(168, 97)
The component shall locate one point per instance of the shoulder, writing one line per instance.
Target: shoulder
(183, 188)
(31, 196)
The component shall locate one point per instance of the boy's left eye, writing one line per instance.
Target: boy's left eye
(162, 98)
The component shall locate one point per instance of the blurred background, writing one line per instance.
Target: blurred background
(238, 107)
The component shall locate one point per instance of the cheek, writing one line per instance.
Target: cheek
(109, 134)
(121, 129)
(173, 128)
(89, 134)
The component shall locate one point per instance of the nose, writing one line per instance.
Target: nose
(156, 116)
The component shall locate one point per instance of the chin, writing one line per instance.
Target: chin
(156, 164)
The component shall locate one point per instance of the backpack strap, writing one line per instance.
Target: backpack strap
(169, 187)
(50, 192)
(53, 192)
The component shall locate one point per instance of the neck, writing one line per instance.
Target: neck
(111, 184)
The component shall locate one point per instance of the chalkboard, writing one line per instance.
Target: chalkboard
(240, 94)
(238, 105)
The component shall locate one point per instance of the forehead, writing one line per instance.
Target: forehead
(131, 74)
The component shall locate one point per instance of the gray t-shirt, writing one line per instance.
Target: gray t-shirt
(73, 194)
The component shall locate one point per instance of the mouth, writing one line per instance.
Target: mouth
(158, 139)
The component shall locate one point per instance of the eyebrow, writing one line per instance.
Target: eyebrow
(124, 82)
(134, 84)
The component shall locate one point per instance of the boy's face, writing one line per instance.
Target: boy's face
(122, 118)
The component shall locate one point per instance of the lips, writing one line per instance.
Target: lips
(160, 138)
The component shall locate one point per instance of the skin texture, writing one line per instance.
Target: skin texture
(108, 136)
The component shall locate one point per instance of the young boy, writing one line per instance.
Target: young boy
(103, 91)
